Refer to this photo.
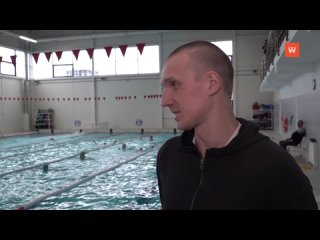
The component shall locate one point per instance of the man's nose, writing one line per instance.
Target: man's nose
(166, 99)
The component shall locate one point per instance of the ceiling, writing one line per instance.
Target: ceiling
(52, 35)
(46, 35)
(65, 39)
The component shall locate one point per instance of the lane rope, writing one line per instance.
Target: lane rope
(34, 202)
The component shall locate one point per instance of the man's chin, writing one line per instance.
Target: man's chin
(182, 127)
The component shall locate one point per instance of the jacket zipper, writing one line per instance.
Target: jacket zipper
(201, 177)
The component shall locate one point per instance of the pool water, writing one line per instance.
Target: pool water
(132, 185)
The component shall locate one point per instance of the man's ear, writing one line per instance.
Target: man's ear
(214, 81)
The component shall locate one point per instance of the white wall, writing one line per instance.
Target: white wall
(10, 105)
(298, 99)
(103, 107)
(68, 108)
(300, 86)
(124, 113)
(248, 59)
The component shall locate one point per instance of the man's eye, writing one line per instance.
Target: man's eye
(173, 84)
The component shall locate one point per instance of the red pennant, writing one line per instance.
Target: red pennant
(35, 56)
(90, 52)
(48, 55)
(13, 59)
(59, 54)
(140, 47)
(123, 49)
(76, 53)
(108, 50)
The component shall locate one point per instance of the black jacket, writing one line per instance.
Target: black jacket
(251, 172)
(297, 136)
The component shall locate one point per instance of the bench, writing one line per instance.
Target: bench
(301, 150)
(305, 151)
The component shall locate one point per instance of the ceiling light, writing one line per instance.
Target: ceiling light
(28, 39)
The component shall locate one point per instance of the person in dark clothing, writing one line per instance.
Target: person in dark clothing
(296, 136)
(219, 161)
(82, 155)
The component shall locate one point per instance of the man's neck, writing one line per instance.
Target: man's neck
(215, 136)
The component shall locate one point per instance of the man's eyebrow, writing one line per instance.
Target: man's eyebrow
(168, 80)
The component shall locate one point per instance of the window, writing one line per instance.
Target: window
(21, 64)
(116, 64)
(225, 46)
(132, 63)
(6, 65)
(82, 66)
(63, 70)
(104, 65)
(41, 69)
(149, 60)
(127, 64)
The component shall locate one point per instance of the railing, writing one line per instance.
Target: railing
(271, 48)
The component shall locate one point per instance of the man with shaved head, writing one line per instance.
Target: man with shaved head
(219, 161)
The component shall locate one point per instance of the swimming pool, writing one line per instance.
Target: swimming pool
(109, 177)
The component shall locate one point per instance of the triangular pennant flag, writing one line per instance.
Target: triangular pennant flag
(76, 53)
(140, 47)
(35, 56)
(0, 59)
(13, 59)
(90, 52)
(123, 49)
(108, 50)
(48, 55)
(59, 54)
